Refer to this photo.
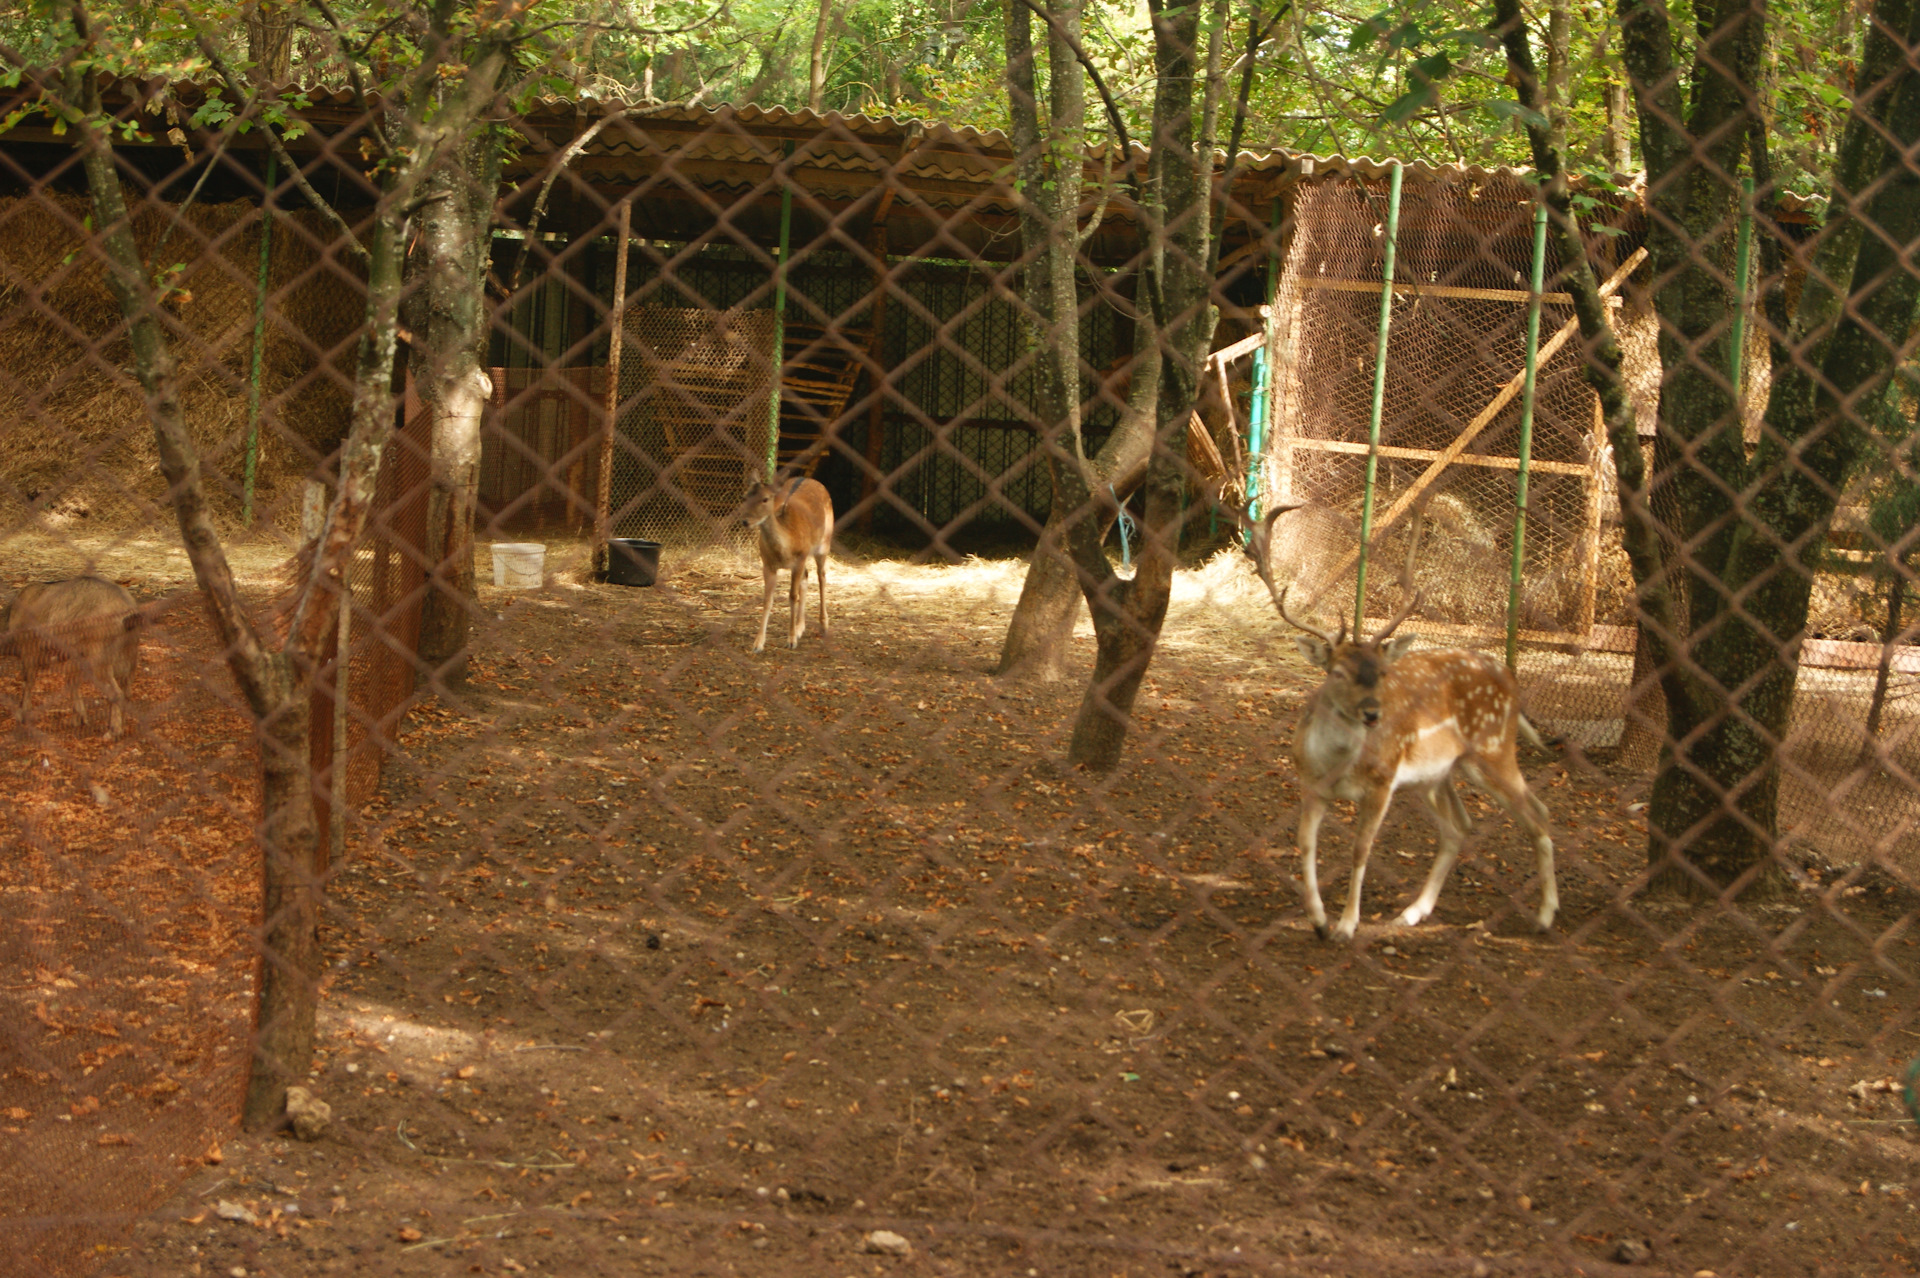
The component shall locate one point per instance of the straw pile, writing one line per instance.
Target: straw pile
(80, 443)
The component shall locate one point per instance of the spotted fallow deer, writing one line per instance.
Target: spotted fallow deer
(795, 520)
(1387, 719)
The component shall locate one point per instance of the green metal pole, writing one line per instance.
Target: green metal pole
(1262, 385)
(1379, 395)
(779, 320)
(1743, 248)
(1537, 287)
(259, 345)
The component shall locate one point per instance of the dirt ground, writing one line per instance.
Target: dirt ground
(655, 956)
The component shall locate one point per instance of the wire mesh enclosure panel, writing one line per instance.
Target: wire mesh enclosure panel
(1450, 421)
(696, 392)
(623, 943)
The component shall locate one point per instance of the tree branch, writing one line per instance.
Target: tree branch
(158, 374)
(1256, 35)
(250, 107)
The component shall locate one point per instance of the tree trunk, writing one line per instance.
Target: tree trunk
(269, 25)
(1716, 807)
(1127, 616)
(1644, 720)
(450, 334)
(285, 1016)
(1617, 138)
(1042, 625)
(1043, 618)
(274, 681)
(817, 57)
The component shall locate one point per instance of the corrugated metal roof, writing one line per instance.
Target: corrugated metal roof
(970, 161)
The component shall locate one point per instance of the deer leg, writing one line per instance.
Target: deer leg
(1507, 785)
(797, 582)
(1366, 826)
(77, 680)
(770, 578)
(1449, 817)
(820, 562)
(1312, 809)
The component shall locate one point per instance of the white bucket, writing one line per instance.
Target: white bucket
(519, 565)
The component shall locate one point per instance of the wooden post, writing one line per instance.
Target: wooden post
(1590, 534)
(603, 495)
(876, 419)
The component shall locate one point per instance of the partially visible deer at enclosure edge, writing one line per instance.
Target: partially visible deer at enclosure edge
(795, 520)
(85, 621)
(1387, 719)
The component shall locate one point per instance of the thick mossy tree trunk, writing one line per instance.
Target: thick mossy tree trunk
(450, 330)
(1724, 616)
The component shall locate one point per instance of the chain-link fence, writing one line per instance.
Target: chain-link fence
(638, 952)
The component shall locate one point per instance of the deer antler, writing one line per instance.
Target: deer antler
(1332, 641)
(1412, 593)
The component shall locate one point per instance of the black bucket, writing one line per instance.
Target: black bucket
(632, 562)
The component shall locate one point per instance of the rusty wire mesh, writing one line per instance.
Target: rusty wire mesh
(648, 955)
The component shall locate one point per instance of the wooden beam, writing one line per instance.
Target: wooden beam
(1480, 422)
(1433, 454)
(1322, 284)
(1239, 350)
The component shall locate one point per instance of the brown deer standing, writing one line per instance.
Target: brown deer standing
(85, 621)
(795, 520)
(1386, 719)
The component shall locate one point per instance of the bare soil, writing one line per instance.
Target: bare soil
(658, 957)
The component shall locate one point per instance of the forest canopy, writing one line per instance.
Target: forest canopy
(1423, 80)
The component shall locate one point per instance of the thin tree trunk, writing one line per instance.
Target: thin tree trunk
(1617, 137)
(1128, 615)
(1049, 197)
(274, 678)
(817, 57)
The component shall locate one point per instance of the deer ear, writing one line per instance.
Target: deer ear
(1397, 647)
(1317, 651)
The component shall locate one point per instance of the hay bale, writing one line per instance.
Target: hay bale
(65, 360)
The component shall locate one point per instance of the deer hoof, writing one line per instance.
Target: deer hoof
(1320, 930)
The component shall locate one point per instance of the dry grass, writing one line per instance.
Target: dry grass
(86, 453)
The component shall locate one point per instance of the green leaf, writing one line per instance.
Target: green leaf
(1472, 37)
(1369, 30)
(1431, 69)
(1406, 35)
(1514, 111)
(1407, 104)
